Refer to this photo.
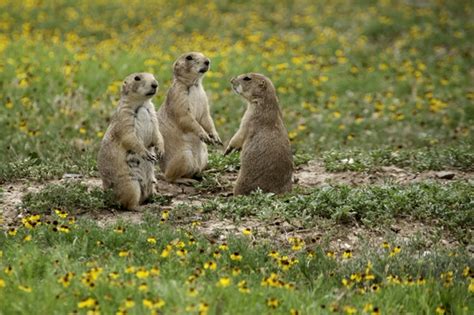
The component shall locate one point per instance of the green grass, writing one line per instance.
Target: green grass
(311, 285)
(362, 85)
(72, 196)
(348, 77)
(461, 158)
(448, 206)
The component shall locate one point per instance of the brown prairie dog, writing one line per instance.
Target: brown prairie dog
(266, 161)
(185, 121)
(132, 143)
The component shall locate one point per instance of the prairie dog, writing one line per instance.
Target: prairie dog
(132, 143)
(266, 161)
(185, 121)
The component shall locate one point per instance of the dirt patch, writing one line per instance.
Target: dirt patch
(312, 174)
(11, 195)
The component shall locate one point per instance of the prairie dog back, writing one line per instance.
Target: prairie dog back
(266, 159)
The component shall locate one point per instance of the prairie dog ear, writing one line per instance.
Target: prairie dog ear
(262, 84)
(125, 88)
(177, 64)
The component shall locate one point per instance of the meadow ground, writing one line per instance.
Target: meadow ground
(378, 100)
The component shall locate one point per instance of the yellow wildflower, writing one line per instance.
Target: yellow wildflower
(347, 254)
(210, 265)
(247, 231)
(181, 252)
(87, 303)
(192, 292)
(166, 251)
(203, 308)
(440, 310)
(274, 254)
(243, 288)
(151, 240)
(395, 251)
(63, 228)
(143, 287)
(236, 256)
(142, 273)
(25, 288)
(129, 303)
(158, 303)
(8, 270)
(224, 247)
(224, 282)
(350, 310)
(66, 279)
(330, 254)
(124, 253)
(273, 302)
(60, 213)
(119, 230)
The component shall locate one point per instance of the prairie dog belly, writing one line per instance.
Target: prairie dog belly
(144, 126)
(195, 150)
(198, 101)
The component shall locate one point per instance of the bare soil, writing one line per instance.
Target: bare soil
(312, 174)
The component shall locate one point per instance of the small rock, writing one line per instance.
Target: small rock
(392, 169)
(347, 161)
(426, 253)
(395, 228)
(72, 176)
(445, 175)
(470, 248)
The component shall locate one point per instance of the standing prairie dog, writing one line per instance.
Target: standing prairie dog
(132, 143)
(185, 121)
(266, 161)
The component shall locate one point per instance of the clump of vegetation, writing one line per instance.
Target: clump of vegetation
(447, 205)
(71, 196)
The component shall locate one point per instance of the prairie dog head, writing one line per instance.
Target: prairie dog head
(139, 86)
(191, 67)
(252, 86)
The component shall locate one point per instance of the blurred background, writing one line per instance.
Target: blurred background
(395, 76)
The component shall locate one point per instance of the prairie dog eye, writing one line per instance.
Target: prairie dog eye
(247, 79)
(189, 57)
(137, 78)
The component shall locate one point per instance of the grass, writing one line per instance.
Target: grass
(355, 79)
(93, 268)
(75, 196)
(449, 206)
(362, 85)
(461, 158)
